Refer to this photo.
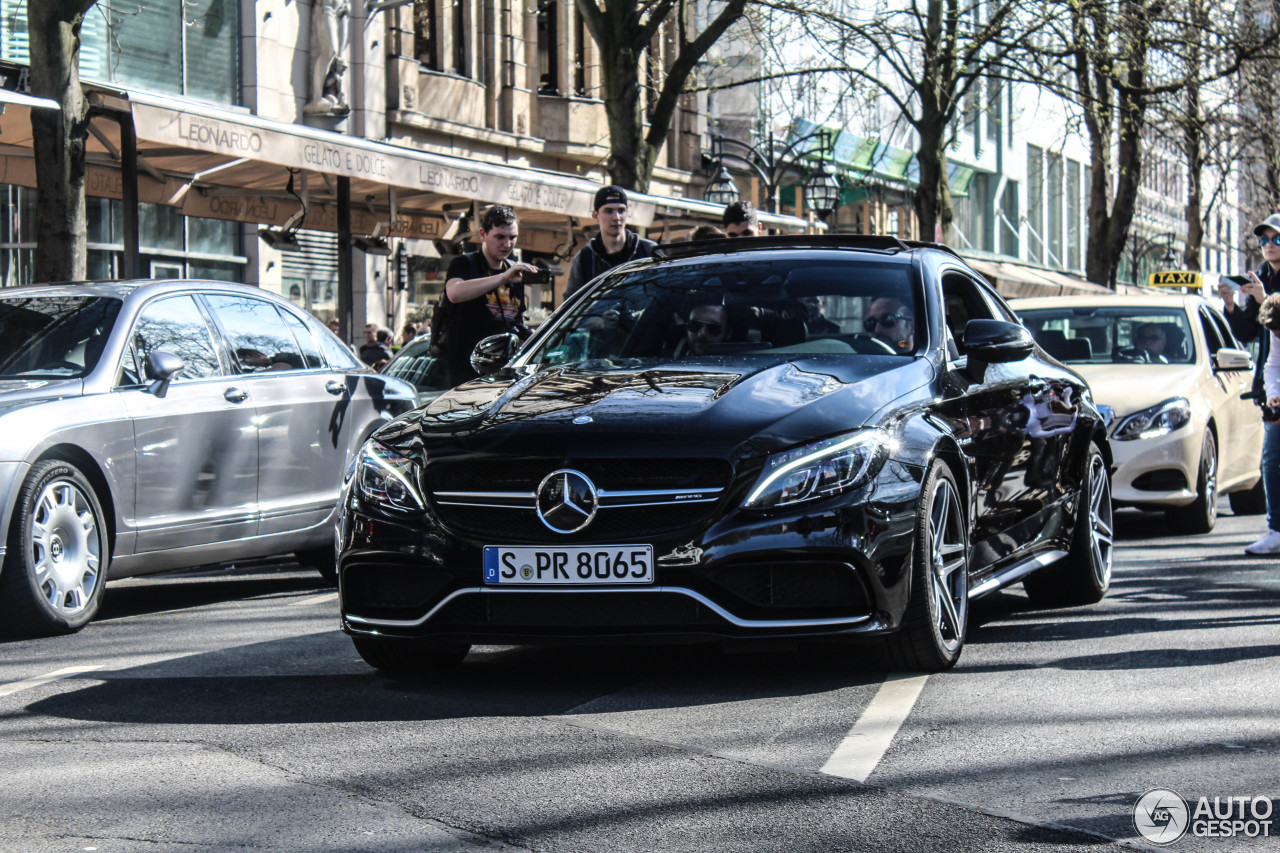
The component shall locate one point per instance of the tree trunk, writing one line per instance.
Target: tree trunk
(59, 139)
(932, 198)
(631, 161)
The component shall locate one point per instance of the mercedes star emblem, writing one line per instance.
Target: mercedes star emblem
(567, 501)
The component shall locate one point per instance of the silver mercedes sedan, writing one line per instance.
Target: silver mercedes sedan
(147, 426)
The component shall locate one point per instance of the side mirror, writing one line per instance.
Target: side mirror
(493, 352)
(1229, 358)
(997, 341)
(161, 368)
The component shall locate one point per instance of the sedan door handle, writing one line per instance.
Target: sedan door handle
(337, 389)
(235, 395)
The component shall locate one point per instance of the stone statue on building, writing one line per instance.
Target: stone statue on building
(329, 20)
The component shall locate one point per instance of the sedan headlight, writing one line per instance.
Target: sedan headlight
(818, 470)
(388, 479)
(1160, 419)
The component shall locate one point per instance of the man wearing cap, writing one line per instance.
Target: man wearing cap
(1244, 324)
(613, 245)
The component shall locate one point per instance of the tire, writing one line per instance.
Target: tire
(1251, 501)
(1084, 575)
(323, 560)
(1200, 515)
(423, 657)
(57, 558)
(936, 620)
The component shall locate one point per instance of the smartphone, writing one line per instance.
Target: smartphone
(542, 276)
(1234, 280)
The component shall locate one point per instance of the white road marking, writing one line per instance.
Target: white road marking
(7, 689)
(315, 599)
(870, 737)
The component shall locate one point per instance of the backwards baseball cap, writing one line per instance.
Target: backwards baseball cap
(1272, 222)
(614, 194)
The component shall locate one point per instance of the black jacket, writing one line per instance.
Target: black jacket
(1245, 326)
(592, 260)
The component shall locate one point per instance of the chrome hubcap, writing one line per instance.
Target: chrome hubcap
(66, 548)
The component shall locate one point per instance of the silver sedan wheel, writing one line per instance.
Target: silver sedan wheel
(66, 545)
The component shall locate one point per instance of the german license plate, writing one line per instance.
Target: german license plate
(593, 564)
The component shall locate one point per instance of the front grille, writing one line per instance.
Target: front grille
(611, 524)
(524, 475)
(451, 481)
(604, 612)
(813, 588)
(1161, 480)
(382, 591)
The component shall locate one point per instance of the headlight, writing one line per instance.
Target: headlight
(1160, 419)
(818, 470)
(387, 478)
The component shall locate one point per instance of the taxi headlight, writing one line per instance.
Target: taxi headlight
(818, 470)
(1160, 419)
(388, 479)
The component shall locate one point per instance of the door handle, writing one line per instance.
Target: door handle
(235, 395)
(337, 389)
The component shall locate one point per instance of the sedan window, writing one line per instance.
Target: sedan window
(1106, 334)
(258, 336)
(54, 336)
(174, 325)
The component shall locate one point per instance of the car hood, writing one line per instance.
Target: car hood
(1129, 388)
(693, 407)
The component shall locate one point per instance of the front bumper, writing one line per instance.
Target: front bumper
(839, 568)
(1158, 471)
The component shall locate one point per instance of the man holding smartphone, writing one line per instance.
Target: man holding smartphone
(1245, 326)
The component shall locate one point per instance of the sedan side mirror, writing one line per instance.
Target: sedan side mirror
(1229, 358)
(997, 341)
(493, 352)
(161, 367)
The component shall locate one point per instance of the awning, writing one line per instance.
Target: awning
(1012, 279)
(222, 163)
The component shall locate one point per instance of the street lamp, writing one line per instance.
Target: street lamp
(722, 190)
(822, 189)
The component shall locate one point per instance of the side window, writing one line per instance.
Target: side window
(258, 336)
(340, 358)
(174, 325)
(306, 341)
(1224, 329)
(962, 301)
(1212, 336)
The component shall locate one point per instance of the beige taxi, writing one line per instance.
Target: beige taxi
(1168, 375)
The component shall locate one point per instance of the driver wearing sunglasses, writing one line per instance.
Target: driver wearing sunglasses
(707, 324)
(889, 319)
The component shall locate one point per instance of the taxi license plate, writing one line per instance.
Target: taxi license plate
(594, 564)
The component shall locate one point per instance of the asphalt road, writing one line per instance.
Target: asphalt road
(222, 710)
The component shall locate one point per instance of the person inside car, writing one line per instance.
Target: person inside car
(889, 320)
(815, 320)
(1150, 338)
(707, 324)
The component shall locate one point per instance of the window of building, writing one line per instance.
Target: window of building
(426, 33)
(459, 16)
(1035, 204)
(1054, 194)
(995, 105)
(548, 48)
(1008, 230)
(579, 53)
(1073, 215)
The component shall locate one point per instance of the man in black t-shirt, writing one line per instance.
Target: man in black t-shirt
(483, 293)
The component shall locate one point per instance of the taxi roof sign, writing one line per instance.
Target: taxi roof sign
(1176, 278)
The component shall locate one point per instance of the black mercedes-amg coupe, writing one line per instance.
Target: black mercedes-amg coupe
(774, 437)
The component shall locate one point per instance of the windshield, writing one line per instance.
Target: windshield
(737, 306)
(1113, 334)
(54, 336)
